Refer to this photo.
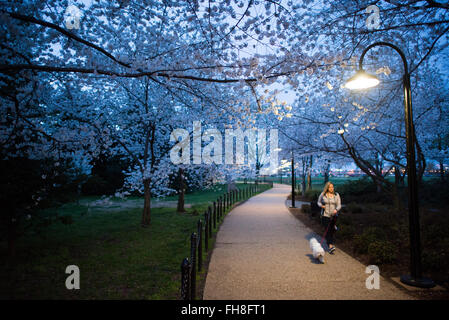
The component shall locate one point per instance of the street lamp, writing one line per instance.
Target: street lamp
(363, 80)
(293, 181)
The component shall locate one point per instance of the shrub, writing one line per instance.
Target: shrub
(66, 219)
(345, 231)
(305, 208)
(436, 259)
(354, 208)
(381, 252)
(312, 194)
(297, 194)
(96, 185)
(357, 187)
(342, 219)
(362, 190)
(434, 192)
(370, 235)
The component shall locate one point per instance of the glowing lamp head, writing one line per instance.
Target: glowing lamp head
(361, 80)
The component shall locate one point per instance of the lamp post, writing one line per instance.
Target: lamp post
(363, 80)
(293, 181)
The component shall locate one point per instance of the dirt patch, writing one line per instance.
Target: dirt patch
(108, 205)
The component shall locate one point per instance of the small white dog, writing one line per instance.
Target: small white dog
(317, 250)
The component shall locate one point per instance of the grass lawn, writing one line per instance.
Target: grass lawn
(117, 258)
(317, 182)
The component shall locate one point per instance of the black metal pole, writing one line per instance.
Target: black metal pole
(206, 232)
(293, 182)
(215, 215)
(209, 213)
(185, 279)
(193, 244)
(219, 208)
(415, 278)
(200, 244)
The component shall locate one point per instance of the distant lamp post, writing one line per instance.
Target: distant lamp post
(363, 80)
(293, 181)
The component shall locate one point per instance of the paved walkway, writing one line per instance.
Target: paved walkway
(262, 252)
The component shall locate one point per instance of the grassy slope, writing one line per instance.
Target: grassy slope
(117, 258)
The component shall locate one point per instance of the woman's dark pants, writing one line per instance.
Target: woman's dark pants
(329, 225)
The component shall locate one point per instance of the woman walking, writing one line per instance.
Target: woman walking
(330, 201)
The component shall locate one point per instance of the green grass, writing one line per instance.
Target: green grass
(117, 258)
(317, 182)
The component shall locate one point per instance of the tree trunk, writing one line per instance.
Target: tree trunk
(180, 207)
(146, 214)
(378, 187)
(309, 173)
(303, 185)
(303, 177)
(326, 172)
(442, 171)
(379, 167)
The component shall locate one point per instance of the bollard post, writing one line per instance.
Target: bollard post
(215, 215)
(193, 244)
(206, 232)
(200, 244)
(209, 213)
(219, 207)
(224, 202)
(185, 279)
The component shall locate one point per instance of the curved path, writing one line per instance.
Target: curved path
(262, 252)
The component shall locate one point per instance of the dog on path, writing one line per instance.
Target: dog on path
(317, 250)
